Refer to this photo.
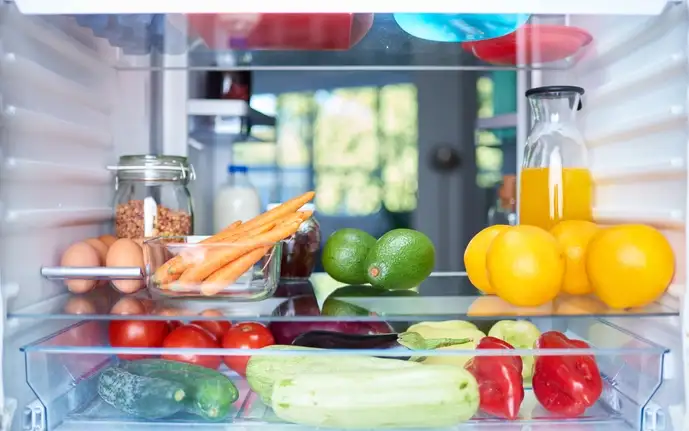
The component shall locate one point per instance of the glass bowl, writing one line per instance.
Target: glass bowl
(187, 266)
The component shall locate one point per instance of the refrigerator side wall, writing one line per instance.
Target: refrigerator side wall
(635, 124)
(66, 115)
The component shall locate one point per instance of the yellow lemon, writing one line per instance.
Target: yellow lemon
(525, 266)
(475, 257)
(629, 265)
(574, 237)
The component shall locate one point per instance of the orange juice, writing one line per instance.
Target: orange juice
(547, 196)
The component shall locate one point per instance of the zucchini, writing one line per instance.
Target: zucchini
(263, 371)
(145, 397)
(210, 393)
(418, 397)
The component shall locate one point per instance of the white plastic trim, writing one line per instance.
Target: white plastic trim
(59, 41)
(657, 71)
(54, 217)
(15, 117)
(642, 125)
(618, 46)
(223, 108)
(667, 219)
(616, 7)
(34, 170)
(673, 168)
(21, 68)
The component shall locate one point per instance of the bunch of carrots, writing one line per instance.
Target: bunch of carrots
(249, 241)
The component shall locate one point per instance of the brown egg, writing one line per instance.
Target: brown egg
(100, 247)
(80, 254)
(107, 239)
(129, 306)
(102, 250)
(125, 253)
(80, 305)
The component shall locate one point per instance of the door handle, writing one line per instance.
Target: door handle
(445, 158)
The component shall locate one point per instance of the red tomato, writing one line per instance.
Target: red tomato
(192, 337)
(137, 333)
(247, 335)
(217, 328)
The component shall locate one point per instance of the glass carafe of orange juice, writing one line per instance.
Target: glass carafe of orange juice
(555, 183)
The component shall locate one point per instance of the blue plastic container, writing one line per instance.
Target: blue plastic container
(442, 27)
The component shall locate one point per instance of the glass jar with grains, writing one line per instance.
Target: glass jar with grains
(151, 196)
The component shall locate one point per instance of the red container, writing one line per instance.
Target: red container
(279, 31)
(542, 43)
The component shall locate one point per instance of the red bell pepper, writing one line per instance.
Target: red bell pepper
(565, 385)
(499, 378)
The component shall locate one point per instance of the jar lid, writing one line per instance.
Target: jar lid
(305, 207)
(148, 167)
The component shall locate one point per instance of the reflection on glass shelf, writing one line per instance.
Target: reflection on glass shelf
(63, 370)
(443, 296)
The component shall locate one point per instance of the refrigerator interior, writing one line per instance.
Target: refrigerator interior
(72, 103)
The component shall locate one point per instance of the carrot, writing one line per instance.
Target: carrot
(225, 255)
(305, 215)
(173, 268)
(167, 269)
(289, 207)
(231, 226)
(289, 219)
(229, 273)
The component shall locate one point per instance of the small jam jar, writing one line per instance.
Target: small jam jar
(299, 252)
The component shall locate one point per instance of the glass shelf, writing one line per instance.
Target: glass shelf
(443, 296)
(355, 42)
(628, 7)
(63, 369)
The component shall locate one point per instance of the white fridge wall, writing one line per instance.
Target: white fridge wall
(66, 114)
(634, 121)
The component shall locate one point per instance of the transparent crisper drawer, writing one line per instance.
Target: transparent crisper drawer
(63, 370)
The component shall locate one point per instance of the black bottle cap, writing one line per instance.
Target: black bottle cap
(556, 89)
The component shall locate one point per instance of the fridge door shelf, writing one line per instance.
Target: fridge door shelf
(63, 370)
(615, 7)
(441, 297)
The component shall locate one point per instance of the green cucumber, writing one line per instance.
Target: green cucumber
(145, 397)
(207, 396)
(210, 393)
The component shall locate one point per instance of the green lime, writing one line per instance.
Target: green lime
(400, 259)
(344, 255)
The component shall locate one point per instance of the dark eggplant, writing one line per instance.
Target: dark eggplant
(339, 340)
(405, 341)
